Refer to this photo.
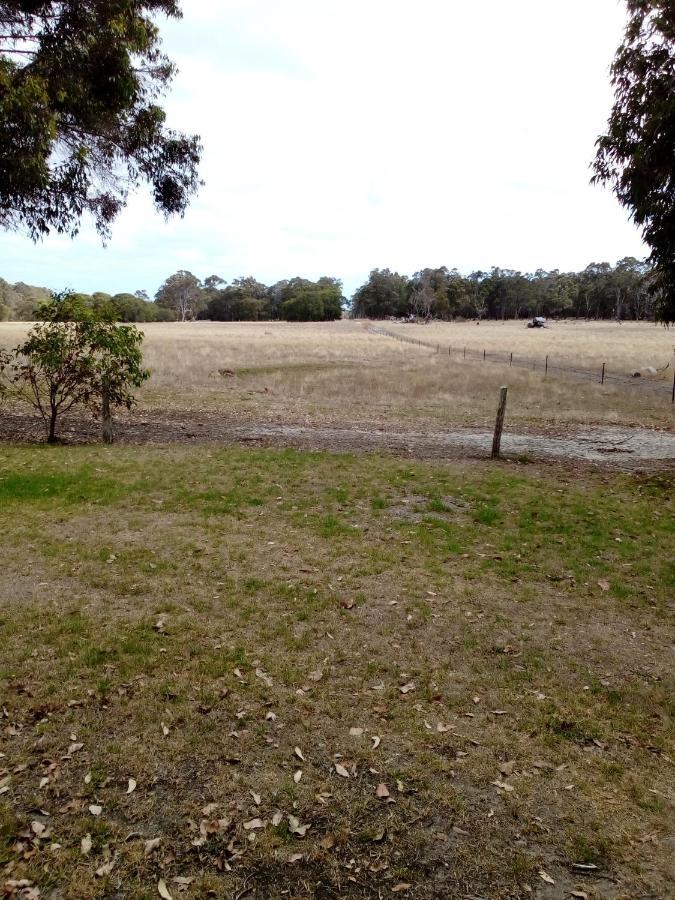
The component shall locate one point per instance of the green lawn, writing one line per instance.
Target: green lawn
(481, 649)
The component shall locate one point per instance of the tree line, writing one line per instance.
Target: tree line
(183, 297)
(601, 291)
(627, 290)
(247, 299)
(24, 303)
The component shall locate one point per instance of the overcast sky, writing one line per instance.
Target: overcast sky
(344, 135)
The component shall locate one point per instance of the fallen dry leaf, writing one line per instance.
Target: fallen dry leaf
(163, 890)
(296, 828)
(507, 768)
(95, 809)
(376, 741)
(257, 799)
(398, 888)
(406, 688)
(85, 845)
(263, 676)
(503, 785)
(341, 770)
(277, 819)
(295, 857)
(382, 791)
(132, 786)
(297, 776)
(253, 824)
(298, 753)
(603, 585)
(152, 845)
(356, 732)
(546, 877)
(105, 869)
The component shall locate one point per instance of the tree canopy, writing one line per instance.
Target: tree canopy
(182, 294)
(637, 154)
(80, 125)
(600, 291)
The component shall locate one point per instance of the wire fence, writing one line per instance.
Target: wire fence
(601, 375)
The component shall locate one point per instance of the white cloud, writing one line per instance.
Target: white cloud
(345, 135)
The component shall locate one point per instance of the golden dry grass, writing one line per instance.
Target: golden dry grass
(340, 374)
(623, 347)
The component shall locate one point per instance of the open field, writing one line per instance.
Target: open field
(339, 374)
(624, 347)
(254, 673)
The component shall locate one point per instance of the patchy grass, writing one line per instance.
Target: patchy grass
(487, 641)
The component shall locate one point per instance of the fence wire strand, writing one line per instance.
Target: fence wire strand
(529, 362)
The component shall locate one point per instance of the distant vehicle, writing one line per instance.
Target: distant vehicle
(537, 322)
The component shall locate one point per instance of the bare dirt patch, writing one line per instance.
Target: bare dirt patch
(611, 446)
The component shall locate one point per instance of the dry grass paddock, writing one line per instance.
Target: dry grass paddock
(341, 374)
(625, 347)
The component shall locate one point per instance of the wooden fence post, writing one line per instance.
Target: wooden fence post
(602, 377)
(672, 399)
(511, 360)
(546, 367)
(499, 424)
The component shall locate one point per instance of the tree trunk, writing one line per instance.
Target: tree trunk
(51, 437)
(106, 418)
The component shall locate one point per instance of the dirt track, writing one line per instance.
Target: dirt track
(602, 445)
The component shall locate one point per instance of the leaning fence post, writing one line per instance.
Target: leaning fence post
(672, 399)
(499, 424)
(546, 366)
(602, 377)
(511, 360)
